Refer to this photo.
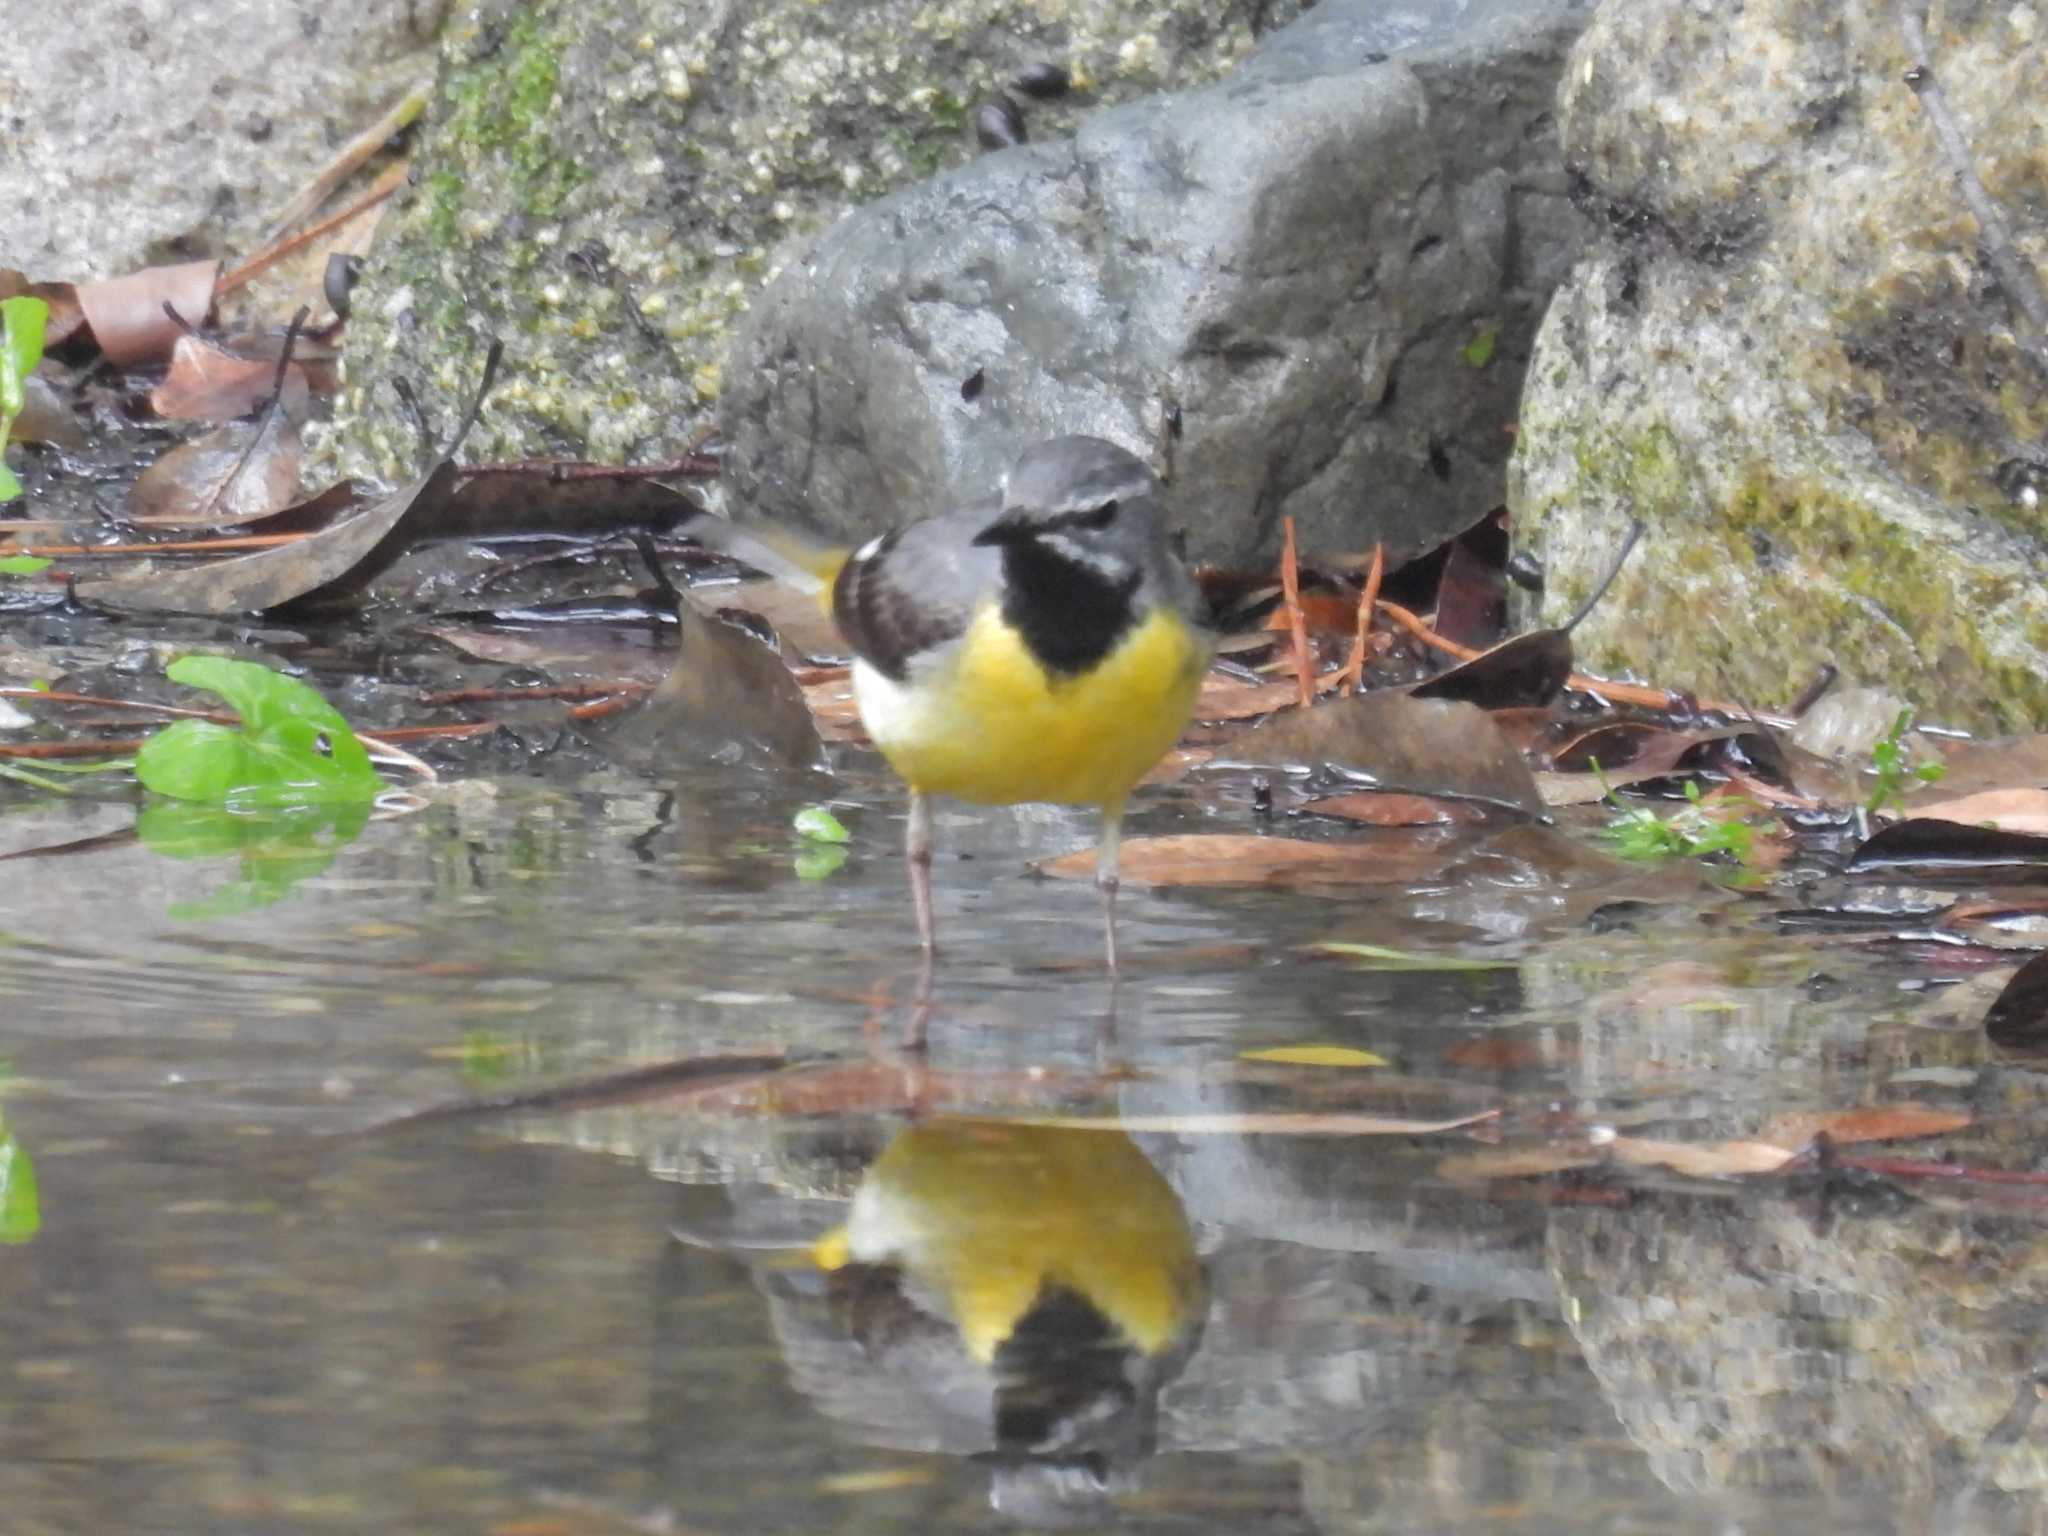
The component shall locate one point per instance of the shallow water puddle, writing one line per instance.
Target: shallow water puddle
(872, 1290)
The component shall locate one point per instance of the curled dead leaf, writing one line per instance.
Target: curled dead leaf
(127, 316)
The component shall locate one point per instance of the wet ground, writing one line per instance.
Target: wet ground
(240, 1300)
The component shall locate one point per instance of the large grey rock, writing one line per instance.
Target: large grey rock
(1788, 358)
(607, 183)
(1745, 1346)
(139, 131)
(1334, 260)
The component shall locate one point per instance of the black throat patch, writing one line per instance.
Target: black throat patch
(1071, 615)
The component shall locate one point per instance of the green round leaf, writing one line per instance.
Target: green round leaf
(820, 825)
(21, 1214)
(293, 748)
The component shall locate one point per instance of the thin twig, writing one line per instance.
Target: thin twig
(1354, 671)
(574, 691)
(1297, 626)
(1915, 1168)
(47, 696)
(2022, 284)
(454, 730)
(388, 181)
(72, 748)
(353, 154)
(175, 547)
(693, 466)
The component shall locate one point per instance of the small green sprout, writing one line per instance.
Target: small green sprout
(1888, 761)
(22, 322)
(1695, 831)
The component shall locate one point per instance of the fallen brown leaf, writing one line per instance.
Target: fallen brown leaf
(1398, 742)
(1256, 1124)
(1376, 809)
(726, 689)
(1797, 1129)
(65, 319)
(1227, 698)
(238, 472)
(2009, 810)
(206, 382)
(1239, 859)
(127, 316)
(1701, 1160)
(1518, 1162)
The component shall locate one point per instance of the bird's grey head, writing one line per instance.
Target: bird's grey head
(1085, 500)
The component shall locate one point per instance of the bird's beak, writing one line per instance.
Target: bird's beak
(1004, 530)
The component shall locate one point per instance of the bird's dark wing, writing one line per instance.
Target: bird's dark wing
(914, 589)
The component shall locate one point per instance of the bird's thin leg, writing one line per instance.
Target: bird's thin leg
(1105, 875)
(917, 851)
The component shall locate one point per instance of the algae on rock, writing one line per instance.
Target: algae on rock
(1788, 359)
(605, 184)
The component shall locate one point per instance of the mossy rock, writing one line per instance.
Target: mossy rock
(1788, 361)
(605, 184)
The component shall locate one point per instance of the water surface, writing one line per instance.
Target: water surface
(248, 1304)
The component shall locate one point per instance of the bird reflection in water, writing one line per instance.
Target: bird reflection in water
(1016, 1293)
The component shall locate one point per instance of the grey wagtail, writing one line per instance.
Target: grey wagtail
(1036, 1286)
(1044, 644)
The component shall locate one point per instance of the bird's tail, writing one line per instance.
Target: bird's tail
(795, 558)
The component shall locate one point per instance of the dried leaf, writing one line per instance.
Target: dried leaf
(1398, 742)
(1229, 698)
(1701, 1160)
(1528, 669)
(65, 319)
(1257, 1124)
(1871, 1122)
(493, 503)
(1928, 845)
(1235, 859)
(727, 694)
(240, 471)
(206, 382)
(46, 417)
(1315, 1056)
(878, 1480)
(1378, 957)
(1376, 808)
(1471, 594)
(1519, 1162)
(2008, 810)
(1975, 765)
(337, 558)
(2018, 1017)
(127, 316)
(805, 628)
(333, 564)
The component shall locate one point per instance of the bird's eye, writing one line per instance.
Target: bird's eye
(322, 745)
(1100, 517)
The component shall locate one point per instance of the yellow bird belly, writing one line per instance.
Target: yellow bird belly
(993, 725)
(992, 1214)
